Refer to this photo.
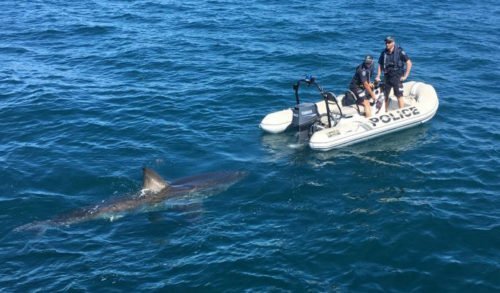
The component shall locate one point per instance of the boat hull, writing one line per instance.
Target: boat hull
(421, 104)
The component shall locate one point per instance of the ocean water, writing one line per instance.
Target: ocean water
(92, 91)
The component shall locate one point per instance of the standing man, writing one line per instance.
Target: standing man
(360, 84)
(392, 61)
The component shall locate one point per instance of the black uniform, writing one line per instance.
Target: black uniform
(393, 66)
(363, 73)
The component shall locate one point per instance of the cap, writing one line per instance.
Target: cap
(368, 59)
(389, 39)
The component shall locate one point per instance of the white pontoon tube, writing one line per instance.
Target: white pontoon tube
(336, 122)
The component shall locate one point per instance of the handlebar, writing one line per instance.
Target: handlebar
(327, 96)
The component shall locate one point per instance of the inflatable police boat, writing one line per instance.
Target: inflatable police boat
(338, 121)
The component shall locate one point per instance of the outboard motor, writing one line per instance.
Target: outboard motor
(306, 117)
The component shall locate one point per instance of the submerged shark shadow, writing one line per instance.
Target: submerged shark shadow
(156, 195)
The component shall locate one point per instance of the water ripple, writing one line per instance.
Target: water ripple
(93, 91)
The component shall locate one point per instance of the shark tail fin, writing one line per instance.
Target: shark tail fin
(152, 181)
(38, 227)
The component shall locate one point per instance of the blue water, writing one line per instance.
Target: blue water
(92, 91)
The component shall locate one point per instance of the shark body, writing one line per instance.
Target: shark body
(155, 193)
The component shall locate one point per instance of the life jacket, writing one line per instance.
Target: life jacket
(356, 80)
(393, 62)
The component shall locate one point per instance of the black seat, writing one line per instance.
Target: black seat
(349, 99)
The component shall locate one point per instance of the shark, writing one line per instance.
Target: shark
(154, 195)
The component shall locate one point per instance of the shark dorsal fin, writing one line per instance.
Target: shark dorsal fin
(152, 181)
